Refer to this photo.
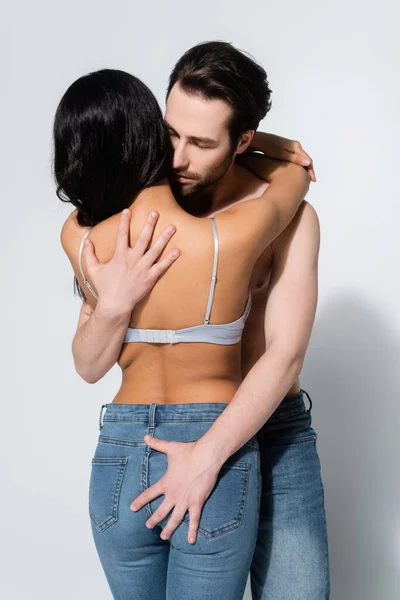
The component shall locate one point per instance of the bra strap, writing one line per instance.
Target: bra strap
(247, 308)
(214, 273)
(91, 290)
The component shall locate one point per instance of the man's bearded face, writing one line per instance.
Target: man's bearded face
(203, 154)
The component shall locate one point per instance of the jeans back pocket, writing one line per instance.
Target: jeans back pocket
(104, 490)
(223, 509)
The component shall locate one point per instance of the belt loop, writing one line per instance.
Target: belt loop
(152, 414)
(310, 401)
(101, 417)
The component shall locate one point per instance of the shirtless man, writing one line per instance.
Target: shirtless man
(291, 557)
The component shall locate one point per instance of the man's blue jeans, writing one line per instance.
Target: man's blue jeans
(138, 564)
(291, 557)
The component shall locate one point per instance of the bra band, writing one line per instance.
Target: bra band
(225, 333)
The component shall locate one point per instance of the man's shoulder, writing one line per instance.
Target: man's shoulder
(305, 224)
(307, 212)
(306, 219)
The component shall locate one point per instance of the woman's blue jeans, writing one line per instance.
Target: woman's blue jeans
(138, 564)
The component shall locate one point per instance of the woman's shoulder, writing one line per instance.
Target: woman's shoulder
(155, 193)
(71, 233)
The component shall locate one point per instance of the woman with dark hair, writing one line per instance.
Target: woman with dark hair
(178, 347)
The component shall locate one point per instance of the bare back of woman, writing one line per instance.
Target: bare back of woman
(181, 372)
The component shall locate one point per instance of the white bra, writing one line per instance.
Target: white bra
(223, 333)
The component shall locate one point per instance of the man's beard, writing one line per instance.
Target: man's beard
(197, 198)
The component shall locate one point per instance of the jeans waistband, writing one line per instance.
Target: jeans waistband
(151, 414)
(156, 413)
(291, 405)
(188, 412)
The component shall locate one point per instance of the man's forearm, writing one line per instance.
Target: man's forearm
(97, 343)
(256, 399)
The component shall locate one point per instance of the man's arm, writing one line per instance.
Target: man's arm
(290, 311)
(282, 148)
(289, 317)
(131, 274)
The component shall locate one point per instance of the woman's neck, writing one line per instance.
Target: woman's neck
(160, 193)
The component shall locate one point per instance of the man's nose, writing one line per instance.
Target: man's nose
(180, 160)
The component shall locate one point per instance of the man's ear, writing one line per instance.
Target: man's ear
(245, 141)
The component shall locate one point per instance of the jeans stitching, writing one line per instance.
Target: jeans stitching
(310, 401)
(120, 442)
(237, 521)
(291, 441)
(145, 476)
(284, 415)
(121, 462)
(160, 420)
(252, 443)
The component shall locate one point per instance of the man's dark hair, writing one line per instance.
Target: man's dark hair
(219, 70)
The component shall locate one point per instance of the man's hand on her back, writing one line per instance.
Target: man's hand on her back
(132, 272)
(281, 148)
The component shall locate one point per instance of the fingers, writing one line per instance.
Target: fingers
(154, 252)
(194, 521)
(156, 444)
(146, 234)
(158, 515)
(122, 242)
(89, 255)
(161, 266)
(154, 491)
(175, 519)
(299, 156)
(311, 173)
(144, 239)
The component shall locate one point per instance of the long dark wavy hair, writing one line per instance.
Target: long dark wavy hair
(110, 142)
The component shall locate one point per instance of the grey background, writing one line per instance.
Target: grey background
(334, 71)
